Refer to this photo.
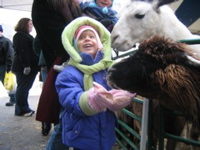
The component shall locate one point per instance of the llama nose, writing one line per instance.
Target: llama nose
(114, 40)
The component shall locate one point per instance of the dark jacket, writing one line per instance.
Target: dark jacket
(24, 54)
(38, 51)
(6, 52)
(49, 25)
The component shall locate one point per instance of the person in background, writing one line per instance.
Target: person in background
(25, 65)
(6, 59)
(101, 10)
(46, 127)
(88, 102)
(49, 19)
(42, 63)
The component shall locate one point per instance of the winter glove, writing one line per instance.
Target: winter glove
(97, 98)
(120, 100)
(27, 70)
(113, 99)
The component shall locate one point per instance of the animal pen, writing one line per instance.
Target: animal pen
(126, 133)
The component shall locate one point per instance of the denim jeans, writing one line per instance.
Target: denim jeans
(55, 140)
(44, 73)
(24, 84)
(12, 98)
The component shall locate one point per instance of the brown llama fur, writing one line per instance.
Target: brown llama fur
(161, 70)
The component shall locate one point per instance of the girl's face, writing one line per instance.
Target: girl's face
(30, 26)
(87, 43)
(104, 3)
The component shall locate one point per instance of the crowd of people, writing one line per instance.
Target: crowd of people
(72, 51)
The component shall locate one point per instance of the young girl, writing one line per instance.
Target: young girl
(88, 121)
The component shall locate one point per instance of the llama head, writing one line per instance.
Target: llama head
(141, 20)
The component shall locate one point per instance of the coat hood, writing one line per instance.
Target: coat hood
(70, 30)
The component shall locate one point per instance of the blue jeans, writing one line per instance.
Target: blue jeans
(24, 84)
(55, 140)
(44, 73)
(12, 98)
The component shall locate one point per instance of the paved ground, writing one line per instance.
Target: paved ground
(20, 133)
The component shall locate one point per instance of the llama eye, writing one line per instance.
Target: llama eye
(139, 16)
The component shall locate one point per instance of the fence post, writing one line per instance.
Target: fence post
(145, 111)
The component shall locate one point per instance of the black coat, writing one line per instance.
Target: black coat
(24, 54)
(6, 53)
(49, 25)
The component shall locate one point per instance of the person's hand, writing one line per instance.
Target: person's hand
(100, 99)
(97, 97)
(102, 96)
(27, 70)
(120, 100)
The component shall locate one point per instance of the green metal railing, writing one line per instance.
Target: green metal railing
(126, 142)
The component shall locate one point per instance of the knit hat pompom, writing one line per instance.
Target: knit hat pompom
(83, 28)
(1, 28)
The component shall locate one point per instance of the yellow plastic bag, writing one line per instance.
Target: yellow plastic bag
(9, 81)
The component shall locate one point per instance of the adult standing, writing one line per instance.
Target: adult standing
(25, 65)
(49, 19)
(6, 59)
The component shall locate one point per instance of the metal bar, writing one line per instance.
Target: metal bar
(190, 41)
(127, 139)
(138, 100)
(150, 145)
(121, 144)
(145, 111)
(125, 54)
(129, 129)
(161, 128)
(181, 139)
(132, 115)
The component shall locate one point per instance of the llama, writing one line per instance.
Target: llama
(141, 20)
(161, 70)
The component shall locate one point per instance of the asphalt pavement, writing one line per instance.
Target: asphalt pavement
(21, 133)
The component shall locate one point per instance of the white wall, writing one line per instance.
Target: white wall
(9, 18)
